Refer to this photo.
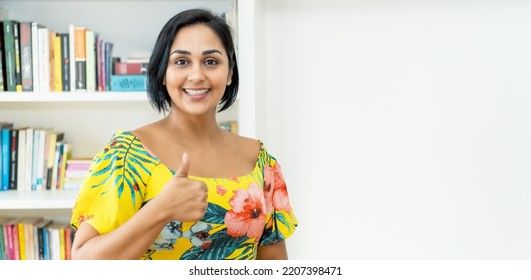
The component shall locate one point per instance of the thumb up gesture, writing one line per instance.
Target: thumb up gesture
(184, 198)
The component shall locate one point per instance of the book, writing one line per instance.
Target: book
(9, 55)
(21, 159)
(51, 59)
(72, 53)
(38, 232)
(5, 154)
(100, 64)
(11, 229)
(54, 138)
(65, 61)
(26, 59)
(107, 54)
(13, 171)
(90, 49)
(76, 171)
(43, 42)
(80, 58)
(35, 56)
(4, 253)
(58, 64)
(128, 82)
(130, 68)
(26, 230)
(16, 37)
(29, 159)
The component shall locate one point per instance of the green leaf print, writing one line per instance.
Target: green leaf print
(214, 214)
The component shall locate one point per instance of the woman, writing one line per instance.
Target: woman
(182, 187)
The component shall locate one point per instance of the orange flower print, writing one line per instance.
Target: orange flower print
(247, 216)
(276, 193)
(83, 218)
(221, 190)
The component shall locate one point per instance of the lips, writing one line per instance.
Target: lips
(196, 92)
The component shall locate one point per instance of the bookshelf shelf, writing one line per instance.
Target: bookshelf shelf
(72, 96)
(17, 200)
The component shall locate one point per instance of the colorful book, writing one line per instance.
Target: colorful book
(80, 58)
(5, 154)
(90, 50)
(13, 171)
(130, 68)
(18, 74)
(65, 61)
(44, 58)
(35, 56)
(9, 55)
(38, 232)
(128, 82)
(26, 64)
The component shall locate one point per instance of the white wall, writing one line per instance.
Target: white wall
(403, 127)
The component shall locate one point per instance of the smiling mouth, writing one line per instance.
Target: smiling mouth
(196, 92)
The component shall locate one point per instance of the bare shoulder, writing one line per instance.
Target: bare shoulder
(246, 146)
(143, 132)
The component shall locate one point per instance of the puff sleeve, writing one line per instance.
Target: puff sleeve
(281, 222)
(113, 191)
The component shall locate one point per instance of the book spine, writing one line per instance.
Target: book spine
(9, 55)
(16, 37)
(16, 244)
(10, 242)
(81, 59)
(6, 151)
(29, 160)
(44, 59)
(58, 63)
(72, 60)
(90, 49)
(130, 68)
(108, 63)
(128, 82)
(21, 161)
(51, 59)
(65, 62)
(35, 56)
(26, 46)
(99, 81)
(13, 172)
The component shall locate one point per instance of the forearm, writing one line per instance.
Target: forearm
(129, 241)
(275, 251)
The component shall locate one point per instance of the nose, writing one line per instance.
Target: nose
(196, 73)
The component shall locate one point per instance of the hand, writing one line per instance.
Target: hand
(184, 198)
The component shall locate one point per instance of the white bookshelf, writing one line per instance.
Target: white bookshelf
(39, 200)
(90, 118)
(34, 97)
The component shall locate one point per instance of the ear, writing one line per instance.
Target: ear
(229, 78)
(164, 81)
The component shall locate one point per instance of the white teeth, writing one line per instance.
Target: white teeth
(196, 92)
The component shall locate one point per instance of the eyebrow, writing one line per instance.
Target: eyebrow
(207, 52)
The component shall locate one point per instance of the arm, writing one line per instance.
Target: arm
(275, 251)
(181, 199)
(129, 241)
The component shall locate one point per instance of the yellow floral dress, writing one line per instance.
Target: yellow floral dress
(243, 212)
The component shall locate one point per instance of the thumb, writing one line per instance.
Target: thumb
(183, 169)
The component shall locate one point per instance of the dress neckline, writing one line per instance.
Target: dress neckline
(148, 152)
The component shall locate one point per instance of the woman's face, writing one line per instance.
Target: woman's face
(198, 70)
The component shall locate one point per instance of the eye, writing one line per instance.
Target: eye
(181, 61)
(211, 62)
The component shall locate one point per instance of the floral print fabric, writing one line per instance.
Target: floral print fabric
(243, 212)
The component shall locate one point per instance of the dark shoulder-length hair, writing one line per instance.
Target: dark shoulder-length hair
(156, 70)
